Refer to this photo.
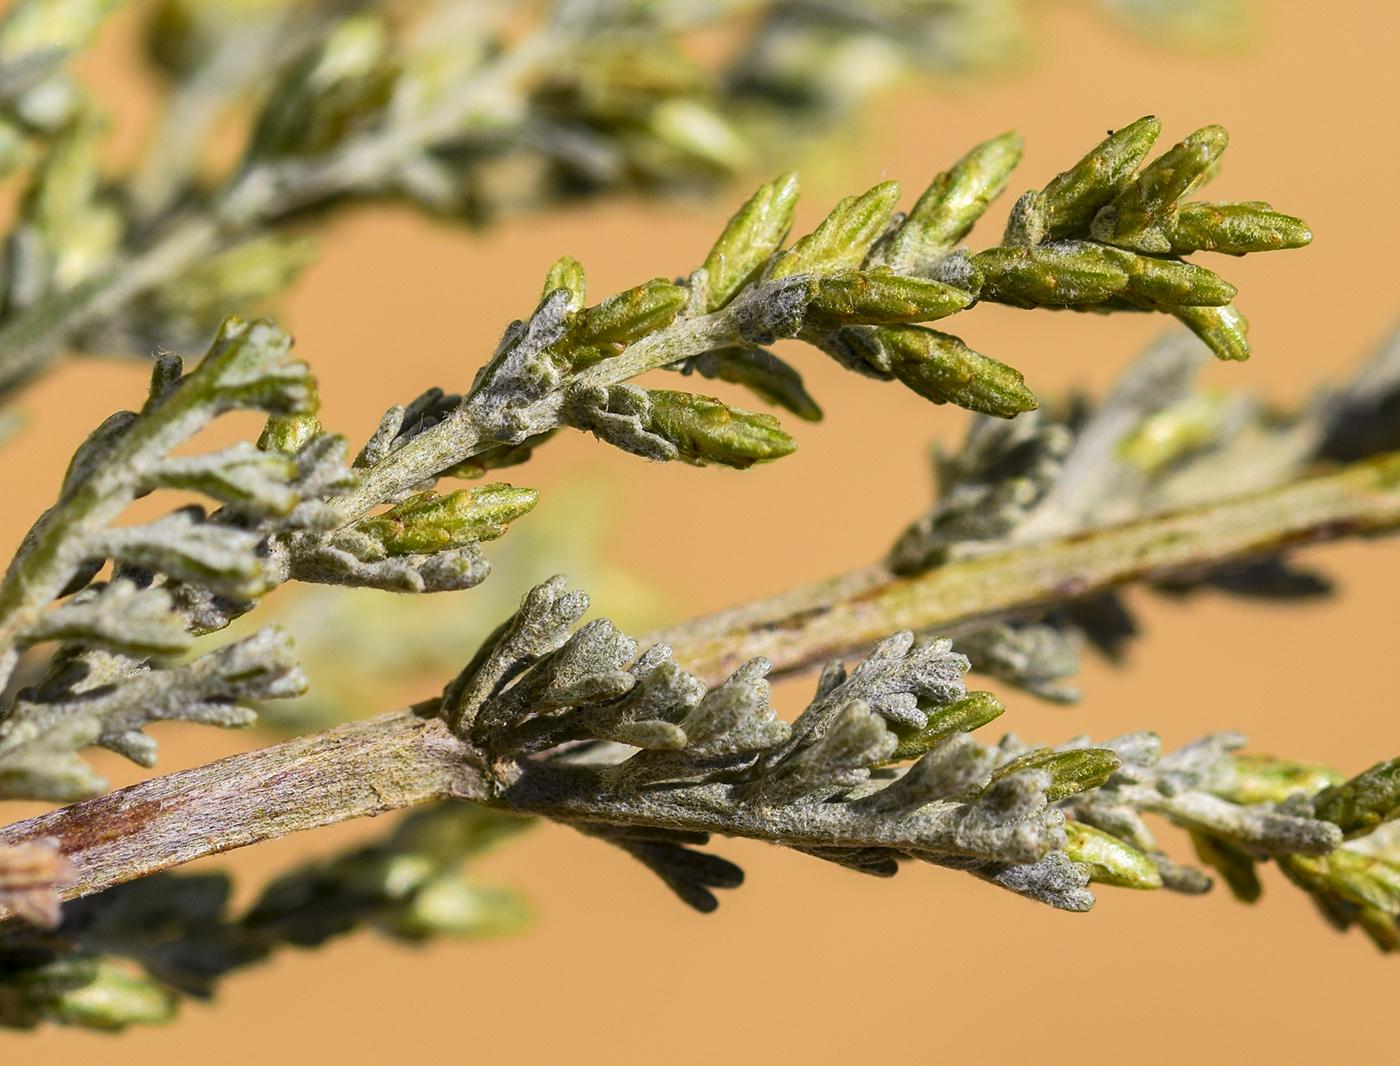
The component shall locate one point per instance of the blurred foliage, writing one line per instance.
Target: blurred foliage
(470, 109)
(128, 955)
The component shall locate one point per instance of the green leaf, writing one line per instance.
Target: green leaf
(427, 522)
(1234, 228)
(1176, 431)
(1224, 330)
(185, 546)
(1071, 772)
(1075, 196)
(236, 279)
(1364, 802)
(879, 298)
(247, 366)
(1264, 779)
(756, 231)
(115, 999)
(288, 435)
(705, 430)
(333, 94)
(1352, 887)
(971, 712)
(567, 273)
(1110, 860)
(1361, 878)
(700, 131)
(607, 329)
(453, 906)
(941, 368)
(951, 205)
(842, 240)
(241, 475)
(1052, 275)
(1168, 283)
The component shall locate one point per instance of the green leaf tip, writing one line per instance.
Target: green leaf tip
(1223, 329)
(762, 373)
(1134, 217)
(1070, 772)
(951, 205)
(971, 712)
(567, 274)
(247, 366)
(608, 328)
(844, 237)
(1234, 229)
(1073, 197)
(751, 237)
(941, 368)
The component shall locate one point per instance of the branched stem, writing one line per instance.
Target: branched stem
(401, 759)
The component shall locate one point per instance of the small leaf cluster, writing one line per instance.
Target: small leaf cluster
(1105, 234)
(585, 728)
(170, 579)
(283, 514)
(858, 287)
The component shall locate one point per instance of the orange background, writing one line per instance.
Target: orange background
(809, 962)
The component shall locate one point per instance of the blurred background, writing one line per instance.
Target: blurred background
(809, 962)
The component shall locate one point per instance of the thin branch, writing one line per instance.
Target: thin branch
(809, 625)
(357, 770)
(401, 759)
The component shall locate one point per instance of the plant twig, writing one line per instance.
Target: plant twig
(827, 619)
(400, 759)
(358, 770)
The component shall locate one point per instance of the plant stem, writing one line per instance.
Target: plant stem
(806, 626)
(401, 759)
(356, 770)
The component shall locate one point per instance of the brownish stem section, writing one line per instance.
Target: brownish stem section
(357, 770)
(401, 759)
